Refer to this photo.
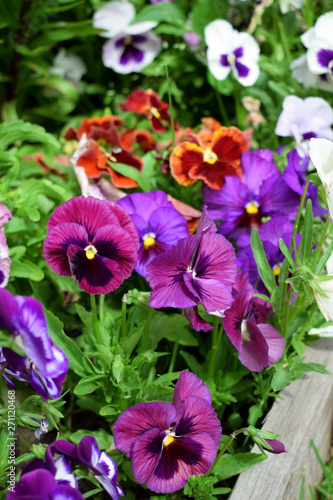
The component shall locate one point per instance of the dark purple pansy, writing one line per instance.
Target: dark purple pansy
(199, 268)
(94, 241)
(258, 343)
(43, 364)
(270, 234)
(88, 453)
(241, 204)
(157, 222)
(168, 443)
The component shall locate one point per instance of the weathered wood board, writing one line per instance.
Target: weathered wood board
(305, 413)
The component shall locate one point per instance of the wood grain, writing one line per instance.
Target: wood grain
(304, 413)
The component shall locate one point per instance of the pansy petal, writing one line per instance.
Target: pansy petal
(214, 295)
(234, 316)
(142, 27)
(254, 353)
(62, 492)
(188, 384)
(198, 323)
(8, 308)
(139, 419)
(219, 33)
(147, 451)
(274, 341)
(184, 157)
(113, 18)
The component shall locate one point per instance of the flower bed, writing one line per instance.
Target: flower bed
(165, 246)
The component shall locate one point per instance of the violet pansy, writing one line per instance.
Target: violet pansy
(168, 443)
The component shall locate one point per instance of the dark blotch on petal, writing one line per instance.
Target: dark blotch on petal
(93, 271)
(177, 451)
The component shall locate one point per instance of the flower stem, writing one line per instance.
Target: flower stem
(226, 445)
(95, 320)
(173, 356)
(145, 336)
(101, 308)
(216, 337)
(123, 319)
(226, 121)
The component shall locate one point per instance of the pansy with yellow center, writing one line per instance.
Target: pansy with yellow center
(191, 161)
(92, 240)
(168, 443)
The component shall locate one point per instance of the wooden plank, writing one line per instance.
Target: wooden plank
(306, 412)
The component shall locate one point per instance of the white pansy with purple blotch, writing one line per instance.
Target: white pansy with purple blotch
(319, 42)
(229, 50)
(131, 46)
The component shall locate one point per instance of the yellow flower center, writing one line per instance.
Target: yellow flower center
(90, 252)
(155, 112)
(128, 41)
(276, 269)
(168, 440)
(209, 156)
(244, 330)
(149, 240)
(231, 59)
(252, 208)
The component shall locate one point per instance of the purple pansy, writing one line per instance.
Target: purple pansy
(131, 46)
(304, 119)
(94, 241)
(88, 453)
(5, 217)
(241, 204)
(270, 233)
(44, 364)
(168, 443)
(199, 268)
(157, 222)
(228, 50)
(258, 343)
(294, 176)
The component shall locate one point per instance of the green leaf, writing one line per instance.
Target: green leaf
(231, 465)
(306, 241)
(132, 173)
(25, 131)
(166, 12)
(206, 11)
(281, 377)
(88, 385)
(66, 344)
(286, 253)
(264, 268)
(129, 379)
(26, 269)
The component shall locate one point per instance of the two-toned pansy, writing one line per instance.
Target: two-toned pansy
(158, 223)
(229, 50)
(319, 42)
(43, 364)
(321, 154)
(195, 159)
(168, 443)
(304, 119)
(241, 204)
(199, 268)
(131, 46)
(258, 343)
(98, 128)
(147, 103)
(94, 241)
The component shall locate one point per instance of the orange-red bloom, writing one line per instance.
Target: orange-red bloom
(140, 136)
(146, 102)
(104, 127)
(211, 160)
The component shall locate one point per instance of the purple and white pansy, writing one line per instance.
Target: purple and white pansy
(130, 47)
(304, 119)
(319, 42)
(168, 443)
(44, 364)
(229, 50)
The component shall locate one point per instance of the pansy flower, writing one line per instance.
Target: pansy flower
(304, 119)
(98, 128)
(191, 161)
(94, 241)
(5, 261)
(168, 443)
(158, 223)
(199, 268)
(228, 50)
(319, 42)
(88, 453)
(147, 103)
(131, 46)
(241, 204)
(44, 364)
(258, 343)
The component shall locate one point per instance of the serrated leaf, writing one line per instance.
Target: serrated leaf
(231, 465)
(25, 131)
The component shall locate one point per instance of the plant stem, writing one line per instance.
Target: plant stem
(95, 320)
(101, 308)
(226, 121)
(123, 319)
(145, 336)
(231, 438)
(216, 337)
(173, 356)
